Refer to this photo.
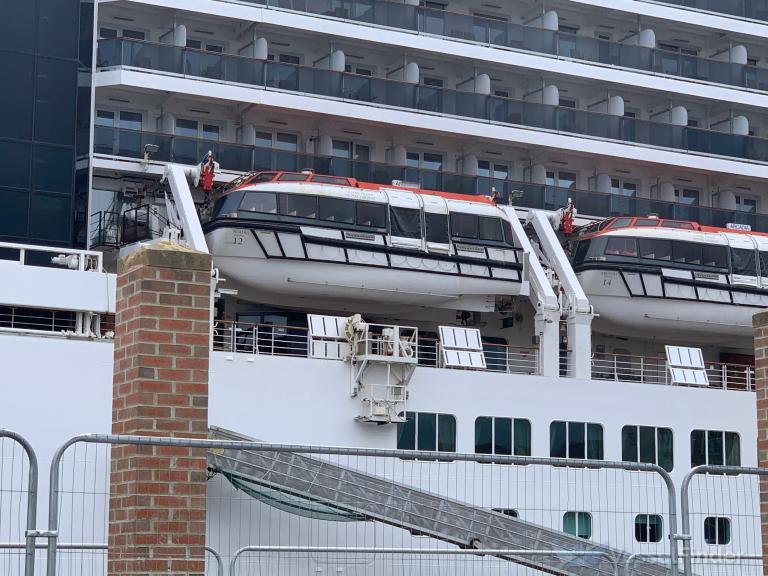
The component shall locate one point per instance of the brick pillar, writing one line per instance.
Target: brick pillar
(760, 324)
(160, 388)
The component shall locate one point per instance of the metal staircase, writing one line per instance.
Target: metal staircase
(375, 498)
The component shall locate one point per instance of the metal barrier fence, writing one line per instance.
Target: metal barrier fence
(293, 509)
(536, 514)
(720, 511)
(18, 503)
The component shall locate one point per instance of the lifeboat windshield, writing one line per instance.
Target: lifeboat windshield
(654, 252)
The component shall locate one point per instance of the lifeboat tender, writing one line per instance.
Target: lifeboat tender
(673, 278)
(291, 234)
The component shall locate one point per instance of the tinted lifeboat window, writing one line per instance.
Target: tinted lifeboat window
(405, 222)
(686, 253)
(715, 256)
(330, 180)
(508, 236)
(437, 227)
(261, 202)
(646, 222)
(289, 177)
(227, 205)
(655, 249)
(336, 210)
(464, 225)
(490, 229)
(298, 205)
(626, 247)
(620, 223)
(743, 262)
(373, 215)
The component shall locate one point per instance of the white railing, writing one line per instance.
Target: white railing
(72, 259)
(274, 340)
(653, 370)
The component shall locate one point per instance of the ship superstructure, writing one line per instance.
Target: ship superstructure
(451, 227)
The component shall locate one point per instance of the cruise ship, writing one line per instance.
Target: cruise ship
(511, 230)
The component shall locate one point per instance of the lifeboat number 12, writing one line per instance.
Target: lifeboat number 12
(238, 236)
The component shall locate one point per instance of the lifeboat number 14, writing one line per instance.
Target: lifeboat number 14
(608, 278)
(238, 236)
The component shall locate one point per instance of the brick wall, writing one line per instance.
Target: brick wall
(760, 324)
(160, 388)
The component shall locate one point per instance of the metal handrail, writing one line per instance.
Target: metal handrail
(653, 370)
(86, 258)
(32, 485)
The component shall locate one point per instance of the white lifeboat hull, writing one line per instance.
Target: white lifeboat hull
(292, 265)
(629, 305)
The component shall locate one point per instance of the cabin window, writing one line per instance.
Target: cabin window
(743, 262)
(591, 249)
(715, 448)
(405, 222)
(437, 227)
(261, 177)
(298, 205)
(508, 236)
(505, 436)
(576, 440)
(621, 247)
(578, 524)
(655, 249)
(646, 222)
(714, 256)
(648, 528)
(373, 215)
(490, 229)
(330, 180)
(336, 210)
(427, 431)
(464, 225)
(686, 253)
(289, 177)
(227, 204)
(763, 264)
(262, 202)
(717, 530)
(648, 445)
(677, 224)
(620, 223)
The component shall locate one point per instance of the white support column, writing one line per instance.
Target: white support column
(579, 310)
(543, 298)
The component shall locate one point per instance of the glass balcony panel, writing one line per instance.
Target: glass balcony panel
(103, 140)
(439, 100)
(185, 150)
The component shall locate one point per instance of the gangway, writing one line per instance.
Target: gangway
(579, 311)
(543, 298)
(360, 495)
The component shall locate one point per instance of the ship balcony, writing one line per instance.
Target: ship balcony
(562, 33)
(509, 35)
(753, 10)
(124, 143)
(425, 99)
(294, 341)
